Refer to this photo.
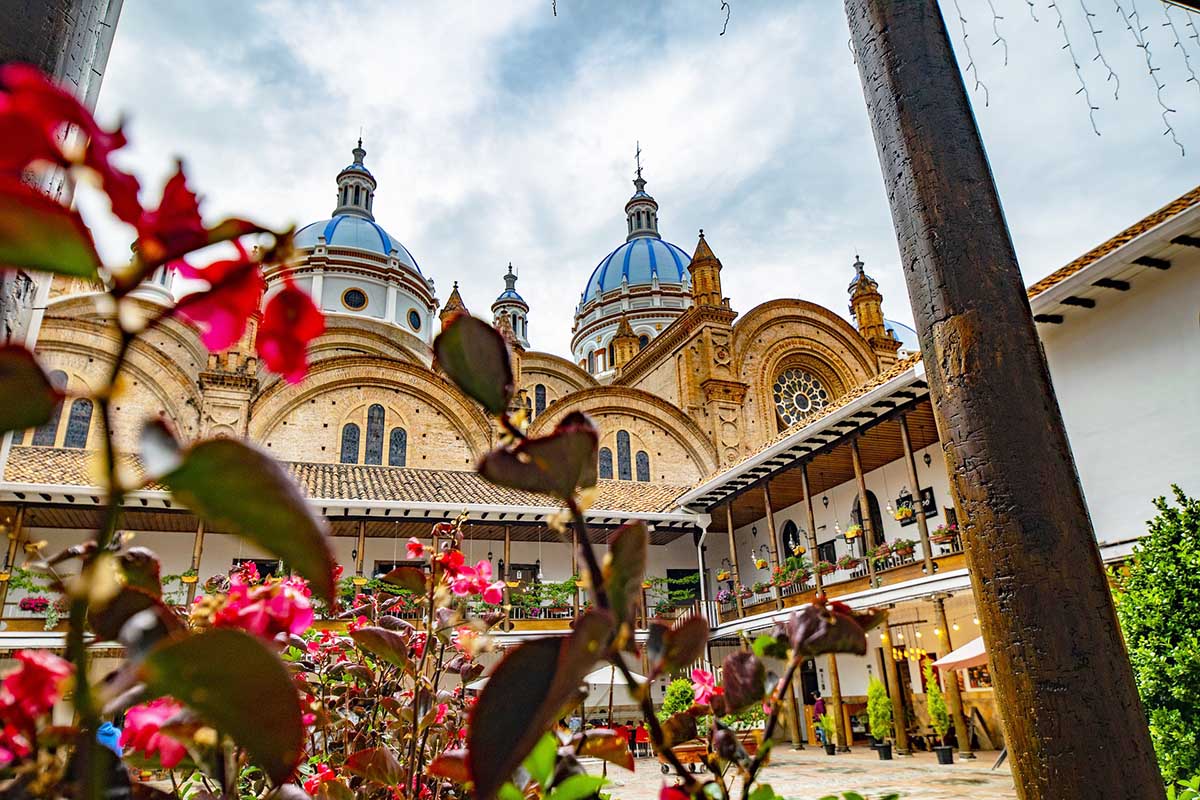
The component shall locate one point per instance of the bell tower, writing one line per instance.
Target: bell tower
(866, 304)
(513, 308)
(356, 187)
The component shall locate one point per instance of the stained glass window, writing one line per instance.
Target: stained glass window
(398, 447)
(78, 423)
(539, 398)
(624, 471)
(350, 444)
(48, 432)
(605, 463)
(797, 392)
(374, 450)
(643, 466)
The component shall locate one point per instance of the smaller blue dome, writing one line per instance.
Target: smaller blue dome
(510, 294)
(906, 335)
(357, 167)
(346, 230)
(638, 261)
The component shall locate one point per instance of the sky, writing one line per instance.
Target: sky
(501, 132)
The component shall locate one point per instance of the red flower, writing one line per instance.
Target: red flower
(323, 775)
(290, 322)
(175, 227)
(143, 731)
(235, 292)
(415, 548)
(451, 561)
(33, 688)
(266, 610)
(672, 793)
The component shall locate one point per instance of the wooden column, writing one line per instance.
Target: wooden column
(774, 548)
(953, 693)
(922, 524)
(895, 689)
(864, 509)
(504, 573)
(733, 557)
(1045, 607)
(842, 732)
(575, 572)
(361, 549)
(812, 525)
(197, 553)
(10, 554)
(795, 717)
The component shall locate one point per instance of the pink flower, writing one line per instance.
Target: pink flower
(266, 610)
(672, 793)
(234, 294)
(415, 548)
(440, 716)
(704, 686)
(493, 594)
(323, 775)
(175, 227)
(34, 687)
(143, 731)
(484, 570)
(290, 321)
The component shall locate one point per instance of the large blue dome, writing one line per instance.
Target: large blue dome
(347, 230)
(638, 261)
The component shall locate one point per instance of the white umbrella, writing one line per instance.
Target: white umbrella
(608, 681)
(971, 654)
(475, 686)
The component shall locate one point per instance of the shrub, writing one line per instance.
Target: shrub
(935, 704)
(879, 710)
(679, 698)
(1158, 603)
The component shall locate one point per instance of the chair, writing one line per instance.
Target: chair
(641, 742)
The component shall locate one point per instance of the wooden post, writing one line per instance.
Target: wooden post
(10, 555)
(361, 551)
(953, 694)
(842, 732)
(733, 557)
(919, 506)
(895, 689)
(575, 572)
(864, 510)
(774, 548)
(504, 573)
(795, 717)
(1045, 607)
(197, 553)
(812, 525)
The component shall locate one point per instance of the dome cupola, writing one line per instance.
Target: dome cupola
(356, 188)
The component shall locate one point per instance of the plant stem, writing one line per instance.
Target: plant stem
(780, 693)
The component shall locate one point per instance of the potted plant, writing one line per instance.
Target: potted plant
(723, 575)
(849, 562)
(904, 513)
(189, 576)
(760, 587)
(853, 532)
(724, 596)
(825, 567)
(760, 563)
(799, 550)
(879, 714)
(904, 547)
(744, 591)
(825, 723)
(943, 534)
(878, 554)
(939, 717)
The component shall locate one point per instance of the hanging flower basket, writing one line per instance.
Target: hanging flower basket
(904, 547)
(799, 550)
(881, 552)
(853, 531)
(760, 563)
(824, 567)
(723, 575)
(724, 596)
(646, 584)
(944, 534)
(512, 584)
(188, 578)
(904, 513)
(849, 562)
(744, 592)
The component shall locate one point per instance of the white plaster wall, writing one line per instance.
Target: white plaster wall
(1127, 376)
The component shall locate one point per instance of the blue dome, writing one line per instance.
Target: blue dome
(638, 261)
(906, 335)
(510, 294)
(346, 230)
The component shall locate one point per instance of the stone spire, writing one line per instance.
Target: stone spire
(641, 212)
(866, 305)
(705, 270)
(454, 305)
(625, 343)
(356, 187)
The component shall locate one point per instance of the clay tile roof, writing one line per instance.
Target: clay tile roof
(1176, 206)
(51, 465)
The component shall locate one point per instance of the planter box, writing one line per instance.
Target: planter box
(945, 755)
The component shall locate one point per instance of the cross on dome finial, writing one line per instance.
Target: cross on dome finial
(638, 158)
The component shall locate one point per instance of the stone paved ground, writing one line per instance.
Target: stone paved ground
(810, 774)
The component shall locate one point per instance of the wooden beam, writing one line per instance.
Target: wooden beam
(15, 529)
(197, 555)
(841, 730)
(895, 689)
(733, 558)
(1081, 302)
(812, 525)
(774, 548)
(1112, 283)
(1150, 261)
(910, 464)
(864, 511)
(1045, 606)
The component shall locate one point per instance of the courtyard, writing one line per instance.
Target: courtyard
(810, 774)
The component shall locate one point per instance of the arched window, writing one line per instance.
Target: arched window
(624, 472)
(79, 421)
(357, 194)
(643, 466)
(350, 444)
(48, 432)
(592, 362)
(539, 398)
(612, 354)
(797, 392)
(398, 448)
(791, 537)
(373, 453)
(605, 463)
(876, 519)
(643, 340)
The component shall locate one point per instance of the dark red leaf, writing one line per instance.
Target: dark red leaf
(558, 463)
(606, 744)
(29, 397)
(390, 646)
(679, 728)
(475, 356)
(410, 578)
(823, 627)
(624, 569)
(744, 679)
(375, 764)
(452, 765)
(672, 647)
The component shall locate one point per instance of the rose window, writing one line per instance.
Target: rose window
(797, 393)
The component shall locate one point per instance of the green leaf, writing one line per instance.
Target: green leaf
(624, 569)
(763, 791)
(235, 485)
(409, 578)
(239, 686)
(769, 647)
(531, 687)
(671, 648)
(390, 646)
(509, 791)
(577, 787)
(606, 744)
(744, 679)
(40, 234)
(558, 463)
(475, 356)
(540, 761)
(375, 764)
(29, 397)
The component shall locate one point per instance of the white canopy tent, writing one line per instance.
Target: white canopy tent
(608, 681)
(971, 654)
